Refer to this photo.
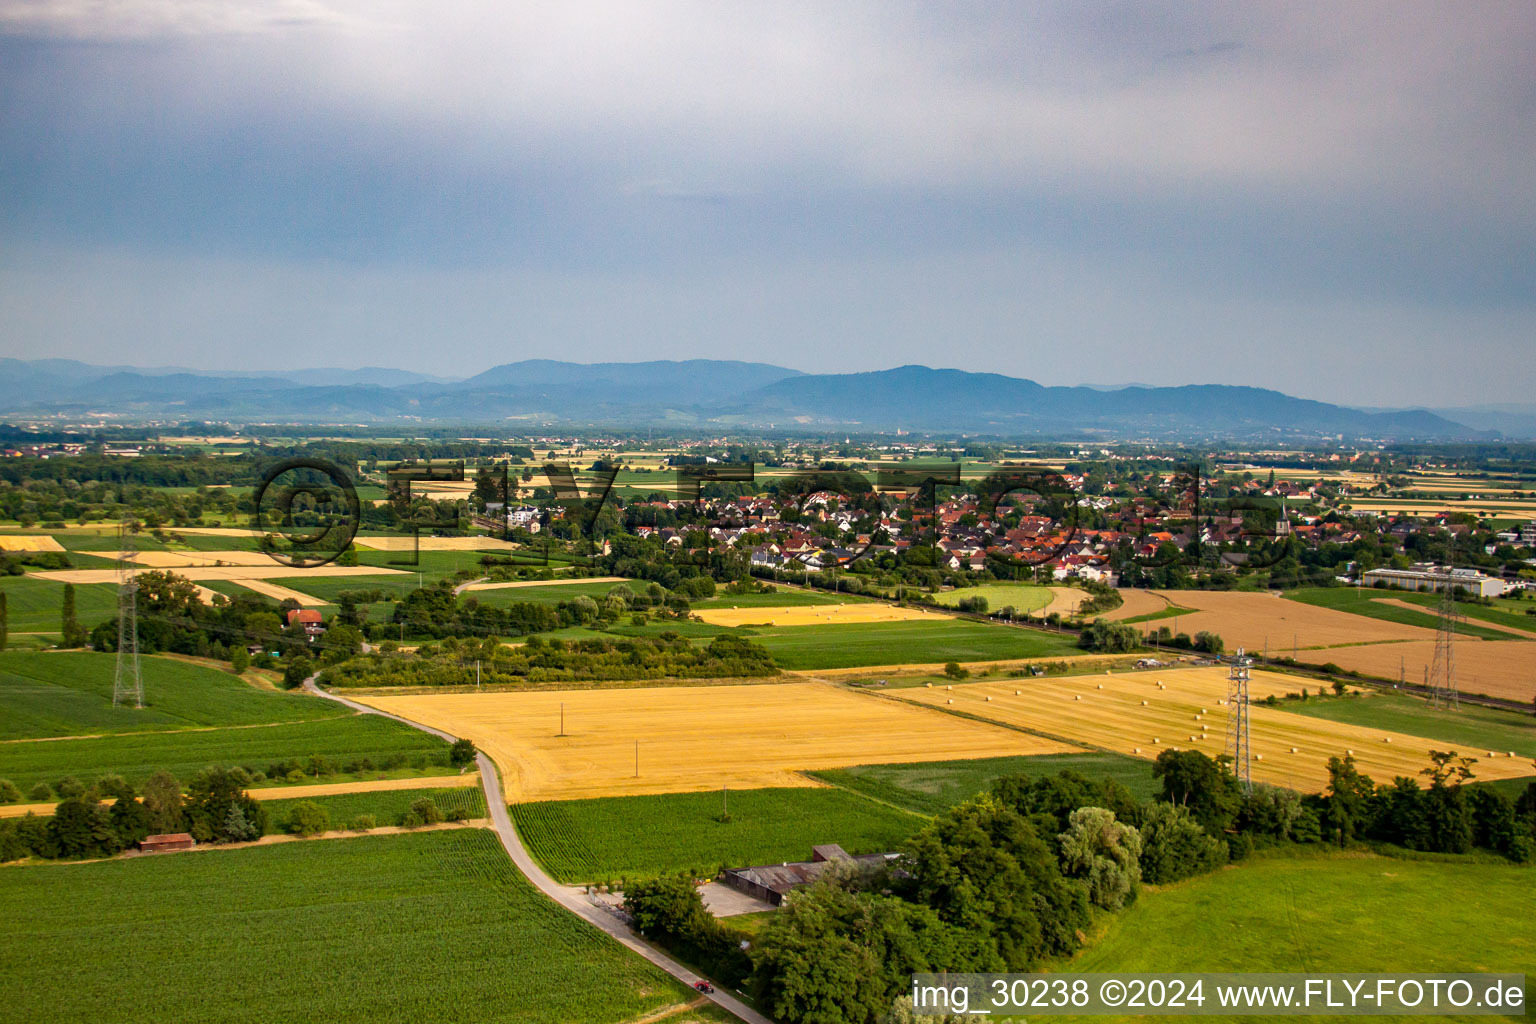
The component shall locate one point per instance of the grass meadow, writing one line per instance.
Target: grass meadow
(385, 929)
(643, 836)
(1349, 912)
(387, 806)
(69, 693)
(1470, 729)
(35, 606)
(930, 788)
(1023, 597)
(1363, 602)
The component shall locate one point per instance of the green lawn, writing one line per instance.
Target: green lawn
(1473, 729)
(69, 693)
(329, 588)
(136, 756)
(387, 806)
(384, 929)
(848, 645)
(643, 836)
(1172, 611)
(1362, 602)
(1344, 913)
(35, 606)
(931, 787)
(1024, 597)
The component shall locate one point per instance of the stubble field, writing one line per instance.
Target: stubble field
(1189, 714)
(694, 738)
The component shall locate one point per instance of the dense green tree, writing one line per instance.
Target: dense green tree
(1104, 853)
(82, 828)
(462, 753)
(163, 804)
(212, 795)
(71, 634)
(1206, 787)
(1350, 807)
(1174, 846)
(298, 669)
(130, 819)
(1109, 637)
(306, 818)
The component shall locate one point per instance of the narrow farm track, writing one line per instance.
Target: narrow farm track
(566, 897)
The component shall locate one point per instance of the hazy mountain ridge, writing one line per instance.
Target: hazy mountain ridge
(705, 393)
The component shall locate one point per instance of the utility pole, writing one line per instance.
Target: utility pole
(562, 718)
(637, 759)
(477, 673)
(725, 805)
(127, 683)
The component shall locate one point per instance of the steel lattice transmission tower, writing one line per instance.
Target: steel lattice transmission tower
(127, 682)
(1237, 747)
(1442, 671)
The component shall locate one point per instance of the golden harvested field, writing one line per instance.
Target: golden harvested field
(1496, 668)
(1493, 507)
(187, 559)
(235, 573)
(1138, 602)
(408, 543)
(1066, 600)
(816, 614)
(280, 593)
(695, 738)
(1188, 714)
(1252, 620)
(543, 583)
(29, 542)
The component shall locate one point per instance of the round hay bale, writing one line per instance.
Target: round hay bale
(950, 701)
(1017, 692)
(1191, 739)
(1258, 757)
(1101, 686)
(949, 687)
(1135, 750)
(1387, 740)
(1077, 696)
(1154, 740)
(1202, 711)
(986, 698)
(1143, 703)
(1349, 753)
(1295, 751)
(928, 685)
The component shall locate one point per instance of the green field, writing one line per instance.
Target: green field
(931, 787)
(386, 805)
(35, 606)
(1024, 597)
(137, 756)
(428, 926)
(1361, 602)
(642, 836)
(551, 594)
(780, 597)
(69, 693)
(1475, 730)
(1502, 613)
(915, 642)
(1350, 912)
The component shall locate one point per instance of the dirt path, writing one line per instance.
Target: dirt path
(603, 919)
(668, 1012)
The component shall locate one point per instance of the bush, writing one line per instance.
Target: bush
(954, 671)
(239, 660)
(307, 818)
(1109, 637)
(462, 753)
(39, 793)
(425, 812)
(1103, 852)
(9, 793)
(363, 823)
(1174, 846)
(69, 787)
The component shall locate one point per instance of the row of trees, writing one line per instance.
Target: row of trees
(540, 660)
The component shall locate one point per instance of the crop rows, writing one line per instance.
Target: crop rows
(428, 926)
(642, 836)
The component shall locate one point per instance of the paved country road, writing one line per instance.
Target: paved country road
(570, 899)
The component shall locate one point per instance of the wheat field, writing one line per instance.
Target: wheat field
(695, 738)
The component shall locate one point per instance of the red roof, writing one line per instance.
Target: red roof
(304, 615)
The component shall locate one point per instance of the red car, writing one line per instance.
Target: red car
(703, 986)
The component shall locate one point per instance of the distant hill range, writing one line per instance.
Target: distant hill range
(707, 394)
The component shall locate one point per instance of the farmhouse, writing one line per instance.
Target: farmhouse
(773, 882)
(308, 620)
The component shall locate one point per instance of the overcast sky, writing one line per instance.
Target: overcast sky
(1335, 200)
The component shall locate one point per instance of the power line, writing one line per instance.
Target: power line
(127, 681)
